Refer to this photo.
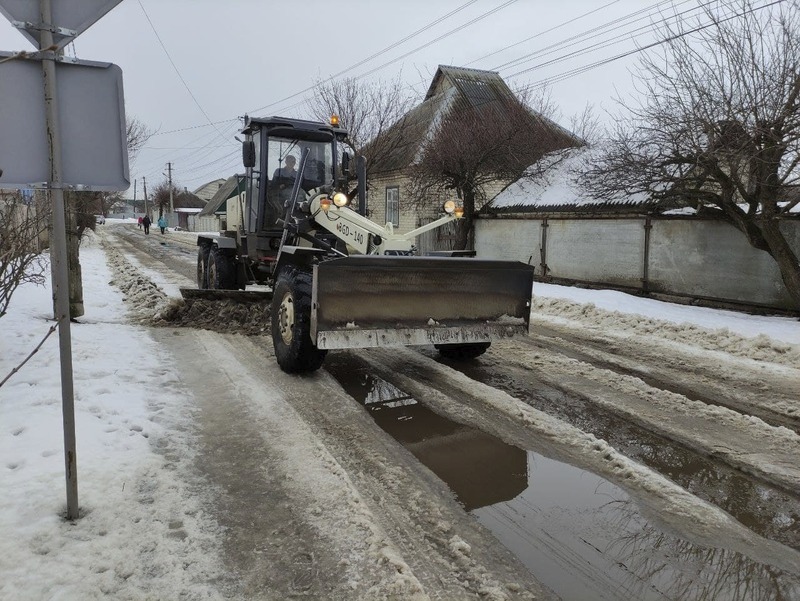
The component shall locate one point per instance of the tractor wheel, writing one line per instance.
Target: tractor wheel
(221, 271)
(202, 267)
(462, 352)
(291, 323)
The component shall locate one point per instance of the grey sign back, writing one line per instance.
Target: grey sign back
(92, 116)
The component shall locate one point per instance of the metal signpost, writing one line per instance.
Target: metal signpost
(52, 25)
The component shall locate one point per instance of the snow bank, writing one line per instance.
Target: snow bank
(772, 339)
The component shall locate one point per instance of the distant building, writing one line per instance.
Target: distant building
(207, 190)
(187, 204)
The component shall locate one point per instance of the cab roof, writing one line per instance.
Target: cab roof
(294, 128)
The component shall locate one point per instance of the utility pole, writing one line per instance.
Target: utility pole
(171, 204)
(144, 186)
(134, 199)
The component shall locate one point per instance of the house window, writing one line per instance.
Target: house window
(393, 205)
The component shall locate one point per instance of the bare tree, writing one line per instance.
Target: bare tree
(716, 122)
(475, 149)
(368, 111)
(21, 226)
(160, 197)
(137, 135)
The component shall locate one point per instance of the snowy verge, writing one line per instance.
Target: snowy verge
(143, 532)
(772, 339)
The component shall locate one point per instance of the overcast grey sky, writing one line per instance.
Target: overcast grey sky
(257, 57)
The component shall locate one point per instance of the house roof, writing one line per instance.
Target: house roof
(207, 190)
(452, 89)
(558, 190)
(187, 200)
(233, 186)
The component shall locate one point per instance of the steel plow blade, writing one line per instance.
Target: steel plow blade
(368, 301)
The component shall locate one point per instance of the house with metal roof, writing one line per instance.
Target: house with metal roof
(452, 89)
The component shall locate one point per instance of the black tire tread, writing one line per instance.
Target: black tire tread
(224, 271)
(302, 356)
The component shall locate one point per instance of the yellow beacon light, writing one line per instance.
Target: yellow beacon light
(459, 212)
(335, 120)
(325, 204)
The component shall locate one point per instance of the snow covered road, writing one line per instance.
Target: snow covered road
(627, 449)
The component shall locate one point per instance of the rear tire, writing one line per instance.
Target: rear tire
(221, 271)
(462, 352)
(202, 267)
(291, 323)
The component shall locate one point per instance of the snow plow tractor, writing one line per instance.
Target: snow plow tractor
(339, 280)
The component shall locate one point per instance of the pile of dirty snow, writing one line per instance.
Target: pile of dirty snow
(149, 304)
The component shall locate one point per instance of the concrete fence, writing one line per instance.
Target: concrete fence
(681, 256)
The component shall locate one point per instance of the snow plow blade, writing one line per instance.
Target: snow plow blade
(369, 301)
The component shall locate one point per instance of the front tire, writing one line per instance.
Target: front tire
(291, 323)
(221, 271)
(462, 352)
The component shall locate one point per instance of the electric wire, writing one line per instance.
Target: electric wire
(612, 25)
(612, 41)
(175, 67)
(582, 69)
(401, 57)
(375, 55)
(541, 33)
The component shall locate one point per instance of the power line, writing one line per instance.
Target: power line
(605, 43)
(602, 31)
(541, 33)
(441, 37)
(174, 66)
(579, 70)
(375, 55)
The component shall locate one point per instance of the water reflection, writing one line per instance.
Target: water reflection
(768, 511)
(480, 469)
(579, 534)
(586, 539)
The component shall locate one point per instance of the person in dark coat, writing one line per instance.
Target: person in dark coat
(146, 224)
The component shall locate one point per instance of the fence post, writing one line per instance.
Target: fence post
(648, 226)
(543, 249)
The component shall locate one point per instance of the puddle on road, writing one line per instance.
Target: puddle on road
(766, 510)
(579, 534)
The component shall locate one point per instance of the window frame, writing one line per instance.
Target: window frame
(393, 216)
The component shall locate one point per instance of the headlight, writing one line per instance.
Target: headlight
(449, 206)
(340, 199)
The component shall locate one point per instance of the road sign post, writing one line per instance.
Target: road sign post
(60, 271)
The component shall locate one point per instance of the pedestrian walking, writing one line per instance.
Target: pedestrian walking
(140, 223)
(162, 223)
(146, 224)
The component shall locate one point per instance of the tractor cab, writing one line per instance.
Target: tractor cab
(277, 154)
